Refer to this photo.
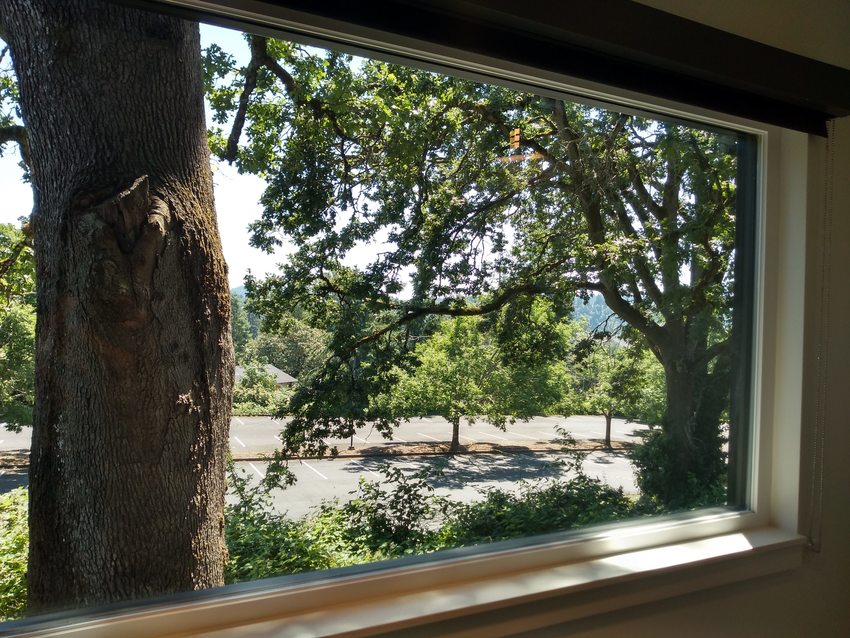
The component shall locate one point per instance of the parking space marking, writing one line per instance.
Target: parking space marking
(525, 436)
(395, 438)
(310, 467)
(468, 438)
(239, 441)
(362, 467)
(548, 435)
(238, 420)
(360, 439)
(257, 470)
(429, 437)
(495, 436)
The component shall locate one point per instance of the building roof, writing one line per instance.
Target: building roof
(280, 377)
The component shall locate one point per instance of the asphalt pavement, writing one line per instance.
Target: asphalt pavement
(464, 477)
(251, 437)
(525, 451)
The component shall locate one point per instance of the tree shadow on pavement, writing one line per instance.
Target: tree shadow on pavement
(464, 470)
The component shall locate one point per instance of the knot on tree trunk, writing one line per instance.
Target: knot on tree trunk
(123, 236)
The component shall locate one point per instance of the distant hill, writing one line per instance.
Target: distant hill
(238, 292)
(595, 312)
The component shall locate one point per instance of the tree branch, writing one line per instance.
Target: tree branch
(641, 265)
(7, 263)
(653, 332)
(15, 133)
(711, 352)
(445, 310)
(241, 112)
(260, 58)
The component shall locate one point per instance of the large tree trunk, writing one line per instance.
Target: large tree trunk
(134, 360)
(696, 399)
(454, 446)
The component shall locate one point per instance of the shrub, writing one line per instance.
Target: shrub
(14, 539)
(540, 507)
(256, 393)
(262, 543)
(402, 515)
(661, 491)
(395, 521)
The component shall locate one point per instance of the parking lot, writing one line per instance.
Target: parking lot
(525, 451)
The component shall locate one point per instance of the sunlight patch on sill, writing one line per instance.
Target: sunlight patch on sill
(669, 556)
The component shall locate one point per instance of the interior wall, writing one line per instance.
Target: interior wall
(819, 30)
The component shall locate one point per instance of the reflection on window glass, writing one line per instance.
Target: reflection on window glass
(496, 314)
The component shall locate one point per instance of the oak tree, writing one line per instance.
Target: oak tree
(470, 198)
(134, 363)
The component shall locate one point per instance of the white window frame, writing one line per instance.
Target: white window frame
(589, 572)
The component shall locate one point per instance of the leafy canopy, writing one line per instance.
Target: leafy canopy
(407, 201)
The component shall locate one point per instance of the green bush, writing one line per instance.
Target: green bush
(394, 521)
(401, 515)
(14, 538)
(661, 489)
(539, 507)
(256, 393)
(261, 543)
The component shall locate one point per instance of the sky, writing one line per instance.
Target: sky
(236, 196)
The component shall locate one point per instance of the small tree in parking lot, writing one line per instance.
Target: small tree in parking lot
(609, 380)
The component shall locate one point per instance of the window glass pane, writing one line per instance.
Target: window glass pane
(461, 312)
(508, 314)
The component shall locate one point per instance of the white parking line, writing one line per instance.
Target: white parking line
(495, 436)
(366, 469)
(468, 438)
(239, 441)
(257, 470)
(525, 436)
(549, 436)
(238, 420)
(1, 441)
(429, 437)
(359, 439)
(314, 469)
(395, 438)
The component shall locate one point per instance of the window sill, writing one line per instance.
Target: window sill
(400, 597)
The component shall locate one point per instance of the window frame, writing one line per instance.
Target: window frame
(636, 562)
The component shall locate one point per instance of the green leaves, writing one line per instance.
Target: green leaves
(17, 328)
(256, 392)
(408, 203)
(14, 546)
(402, 515)
(240, 328)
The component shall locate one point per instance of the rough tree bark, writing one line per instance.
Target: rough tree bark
(134, 359)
